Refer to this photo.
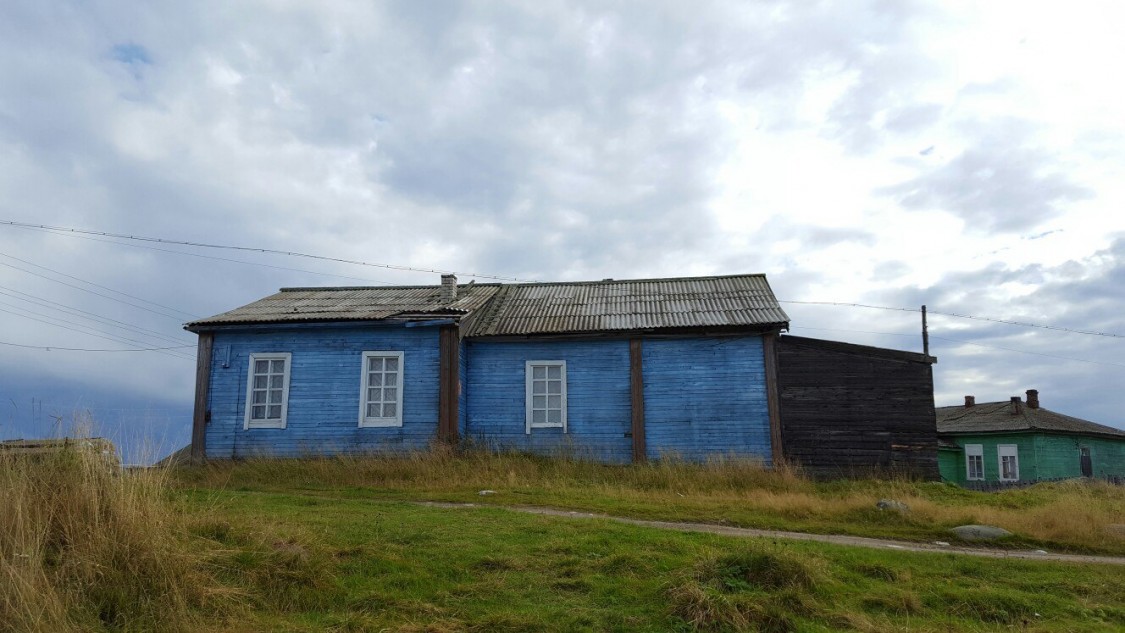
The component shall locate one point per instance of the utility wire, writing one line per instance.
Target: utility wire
(35, 274)
(101, 335)
(960, 316)
(251, 249)
(90, 283)
(221, 259)
(84, 349)
(83, 314)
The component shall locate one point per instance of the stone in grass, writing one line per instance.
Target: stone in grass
(980, 532)
(891, 504)
(485, 493)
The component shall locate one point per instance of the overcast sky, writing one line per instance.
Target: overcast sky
(967, 156)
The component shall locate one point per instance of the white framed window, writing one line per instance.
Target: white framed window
(545, 384)
(380, 389)
(1009, 462)
(974, 462)
(267, 391)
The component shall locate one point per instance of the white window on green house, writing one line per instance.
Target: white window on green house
(545, 384)
(267, 391)
(974, 462)
(380, 401)
(1009, 462)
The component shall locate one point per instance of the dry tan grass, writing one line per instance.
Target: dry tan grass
(85, 546)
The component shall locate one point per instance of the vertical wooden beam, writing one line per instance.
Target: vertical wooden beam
(773, 399)
(202, 396)
(637, 396)
(449, 383)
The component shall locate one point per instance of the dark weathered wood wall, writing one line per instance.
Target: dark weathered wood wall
(851, 409)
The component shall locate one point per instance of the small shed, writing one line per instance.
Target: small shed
(853, 409)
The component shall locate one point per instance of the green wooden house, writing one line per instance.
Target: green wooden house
(1016, 441)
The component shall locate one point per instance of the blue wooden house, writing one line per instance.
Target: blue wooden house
(616, 371)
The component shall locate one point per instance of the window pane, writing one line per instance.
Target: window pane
(538, 402)
(389, 410)
(390, 380)
(538, 372)
(372, 410)
(259, 397)
(392, 364)
(390, 394)
(275, 396)
(260, 382)
(554, 416)
(373, 395)
(538, 386)
(277, 366)
(261, 366)
(275, 412)
(554, 372)
(258, 413)
(554, 402)
(374, 380)
(538, 417)
(375, 363)
(554, 386)
(276, 381)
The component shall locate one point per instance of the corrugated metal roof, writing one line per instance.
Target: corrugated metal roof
(636, 304)
(352, 304)
(998, 417)
(542, 308)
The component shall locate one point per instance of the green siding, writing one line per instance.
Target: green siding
(1041, 456)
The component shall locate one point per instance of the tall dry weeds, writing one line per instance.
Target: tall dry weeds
(85, 546)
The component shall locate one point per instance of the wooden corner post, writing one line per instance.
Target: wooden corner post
(637, 397)
(202, 397)
(773, 399)
(449, 383)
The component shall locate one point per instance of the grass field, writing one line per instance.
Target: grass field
(336, 545)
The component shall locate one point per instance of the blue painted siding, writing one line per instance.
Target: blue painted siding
(706, 397)
(598, 407)
(324, 391)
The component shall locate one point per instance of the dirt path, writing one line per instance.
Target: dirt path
(855, 541)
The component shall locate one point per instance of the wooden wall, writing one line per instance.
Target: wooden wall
(324, 392)
(851, 409)
(706, 397)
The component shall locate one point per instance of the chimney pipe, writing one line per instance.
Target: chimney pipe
(1032, 398)
(448, 288)
(1017, 407)
(970, 401)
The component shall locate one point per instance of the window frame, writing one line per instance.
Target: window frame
(381, 422)
(1001, 450)
(974, 450)
(247, 421)
(529, 371)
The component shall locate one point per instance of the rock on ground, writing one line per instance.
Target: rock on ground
(980, 532)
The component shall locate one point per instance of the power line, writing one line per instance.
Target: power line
(140, 238)
(84, 349)
(1056, 328)
(221, 259)
(94, 333)
(83, 314)
(34, 274)
(124, 294)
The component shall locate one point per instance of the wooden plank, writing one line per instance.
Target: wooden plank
(448, 384)
(637, 399)
(773, 401)
(202, 389)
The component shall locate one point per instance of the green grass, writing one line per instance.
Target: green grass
(314, 562)
(1069, 516)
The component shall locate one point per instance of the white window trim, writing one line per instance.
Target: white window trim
(366, 422)
(974, 450)
(528, 425)
(1000, 454)
(247, 423)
